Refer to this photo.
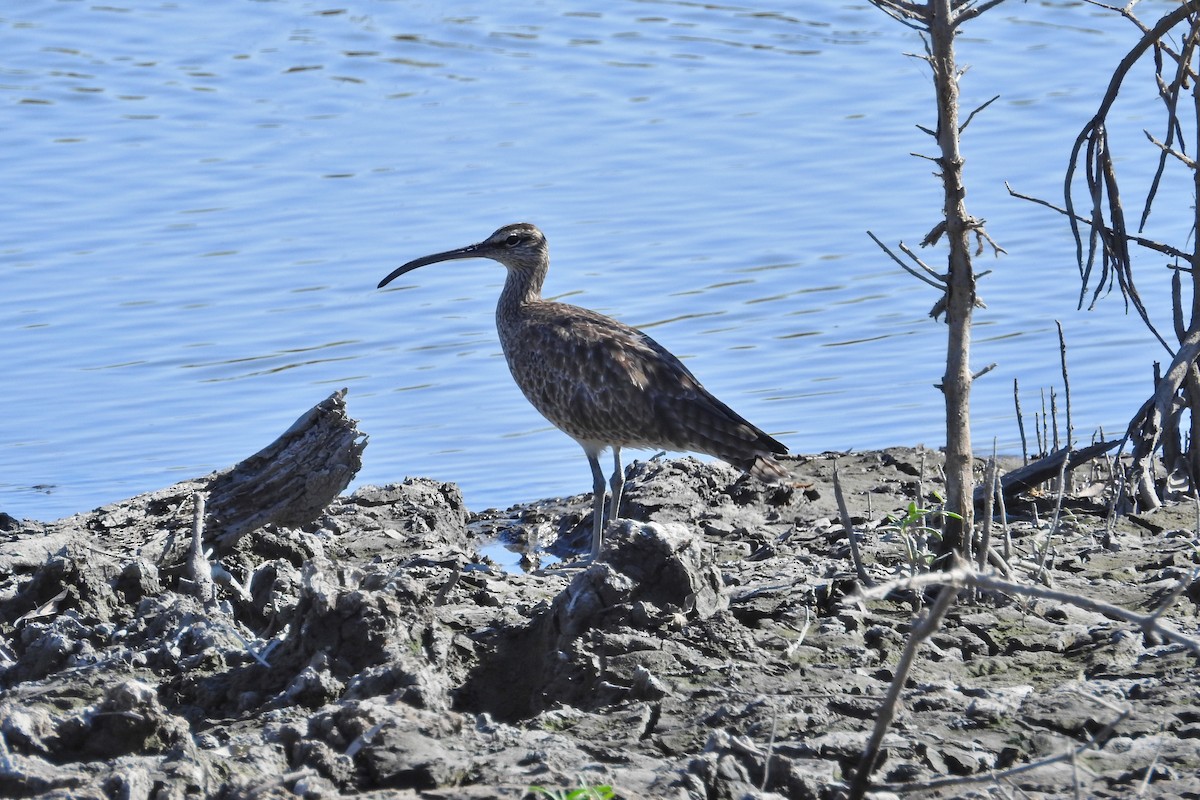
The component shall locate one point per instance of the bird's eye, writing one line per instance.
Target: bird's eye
(512, 240)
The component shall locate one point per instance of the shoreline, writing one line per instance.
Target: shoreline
(721, 648)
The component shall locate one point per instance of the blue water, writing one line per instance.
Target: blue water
(200, 198)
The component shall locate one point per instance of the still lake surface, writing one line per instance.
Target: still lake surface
(200, 198)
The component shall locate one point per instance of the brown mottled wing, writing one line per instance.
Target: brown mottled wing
(604, 382)
(712, 427)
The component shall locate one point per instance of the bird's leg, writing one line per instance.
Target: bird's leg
(597, 505)
(617, 483)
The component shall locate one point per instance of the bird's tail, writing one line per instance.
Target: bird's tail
(706, 425)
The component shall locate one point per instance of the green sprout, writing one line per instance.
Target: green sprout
(917, 535)
(582, 793)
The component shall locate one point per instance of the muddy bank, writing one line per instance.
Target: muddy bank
(719, 651)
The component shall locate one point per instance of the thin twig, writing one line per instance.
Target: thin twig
(937, 276)
(971, 116)
(1062, 355)
(985, 523)
(1188, 162)
(1141, 241)
(921, 631)
(1058, 499)
(770, 749)
(984, 371)
(1054, 417)
(1020, 424)
(848, 524)
(999, 490)
(961, 577)
(906, 267)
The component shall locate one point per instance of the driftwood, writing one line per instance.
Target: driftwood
(291, 480)
(1044, 469)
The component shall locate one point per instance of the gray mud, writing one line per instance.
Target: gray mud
(719, 650)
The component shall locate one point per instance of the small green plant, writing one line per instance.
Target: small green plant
(582, 793)
(917, 535)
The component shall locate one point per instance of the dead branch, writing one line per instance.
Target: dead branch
(970, 12)
(983, 371)
(1147, 426)
(960, 577)
(1062, 356)
(1101, 180)
(1037, 472)
(1141, 241)
(982, 236)
(1170, 96)
(848, 524)
(936, 282)
(941, 279)
(971, 116)
(921, 631)
(1171, 151)
(906, 13)
(291, 480)
(940, 20)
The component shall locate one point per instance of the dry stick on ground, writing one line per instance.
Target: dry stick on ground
(1007, 555)
(921, 631)
(1149, 624)
(985, 523)
(762, 787)
(1048, 468)
(199, 571)
(1058, 501)
(859, 569)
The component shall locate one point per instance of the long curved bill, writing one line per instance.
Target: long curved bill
(470, 251)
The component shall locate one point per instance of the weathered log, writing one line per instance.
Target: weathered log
(290, 481)
(1045, 468)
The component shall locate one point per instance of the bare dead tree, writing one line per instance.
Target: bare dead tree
(1103, 240)
(939, 22)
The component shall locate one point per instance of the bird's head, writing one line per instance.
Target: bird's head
(520, 246)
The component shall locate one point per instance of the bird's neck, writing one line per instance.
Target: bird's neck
(523, 286)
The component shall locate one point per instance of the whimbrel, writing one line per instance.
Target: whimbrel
(601, 382)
